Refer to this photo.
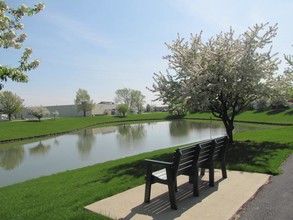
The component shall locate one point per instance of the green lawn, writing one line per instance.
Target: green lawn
(63, 195)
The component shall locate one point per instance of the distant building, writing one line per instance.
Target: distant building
(103, 108)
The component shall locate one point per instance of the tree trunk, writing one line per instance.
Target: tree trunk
(229, 131)
(229, 125)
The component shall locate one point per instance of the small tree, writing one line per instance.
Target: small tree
(10, 37)
(38, 112)
(134, 99)
(137, 100)
(55, 114)
(10, 103)
(122, 109)
(148, 108)
(123, 96)
(83, 101)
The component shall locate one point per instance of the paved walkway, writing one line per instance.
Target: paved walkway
(215, 203)
(275, 200)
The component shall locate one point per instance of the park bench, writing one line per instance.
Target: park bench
(187, 161)
(184, 163)
(213, 151)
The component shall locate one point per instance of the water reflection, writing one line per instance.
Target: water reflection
(40, 149)
(11, 157)
(128, 134)
(86, 139)
(179, 128)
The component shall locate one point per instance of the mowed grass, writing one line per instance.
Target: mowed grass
(21, 129)
(63, 195)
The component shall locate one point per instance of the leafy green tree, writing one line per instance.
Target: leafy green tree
(11, 36)
(226, 74)
(10, 103)
(83, 101)
(38, 111)
(123, 96)
(137, 100)
(122, 109)
(148, 108)
(134, 99)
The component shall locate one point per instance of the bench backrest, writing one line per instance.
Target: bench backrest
(206, 152)
(185, 159)
(220, 147)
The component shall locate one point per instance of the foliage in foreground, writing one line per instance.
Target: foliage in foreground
(11, 36)
(63, 195)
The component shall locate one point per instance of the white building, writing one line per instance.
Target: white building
(103, 108)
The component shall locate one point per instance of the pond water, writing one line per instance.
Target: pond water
(20, 161)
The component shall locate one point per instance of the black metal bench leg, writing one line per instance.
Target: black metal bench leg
(211, 177)
(195, 183)
(224, 171)
(148, 185)
(202, 171)
(147, 194)
(171, 188)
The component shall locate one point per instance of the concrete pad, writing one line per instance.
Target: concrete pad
(220, 202)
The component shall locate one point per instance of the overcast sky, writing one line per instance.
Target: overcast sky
(105, 45)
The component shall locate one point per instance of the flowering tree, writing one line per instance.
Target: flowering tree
(289, 71)
(83, 101)
(12, 37)
(225, 74)
(38, 112)
(10, 103)
(55, 114)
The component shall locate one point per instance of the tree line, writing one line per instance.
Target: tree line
(127, 100)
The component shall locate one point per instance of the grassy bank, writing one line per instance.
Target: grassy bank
(26, 129)
(63, 195)
(22, 129)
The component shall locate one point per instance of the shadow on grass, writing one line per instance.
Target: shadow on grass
(243, 156)
(256, 157)
(289, 112)
(275, 111)
(135, 169)
(120, 116)
(174, 117)
(33, 120)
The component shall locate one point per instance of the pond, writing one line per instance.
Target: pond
(20, 161)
